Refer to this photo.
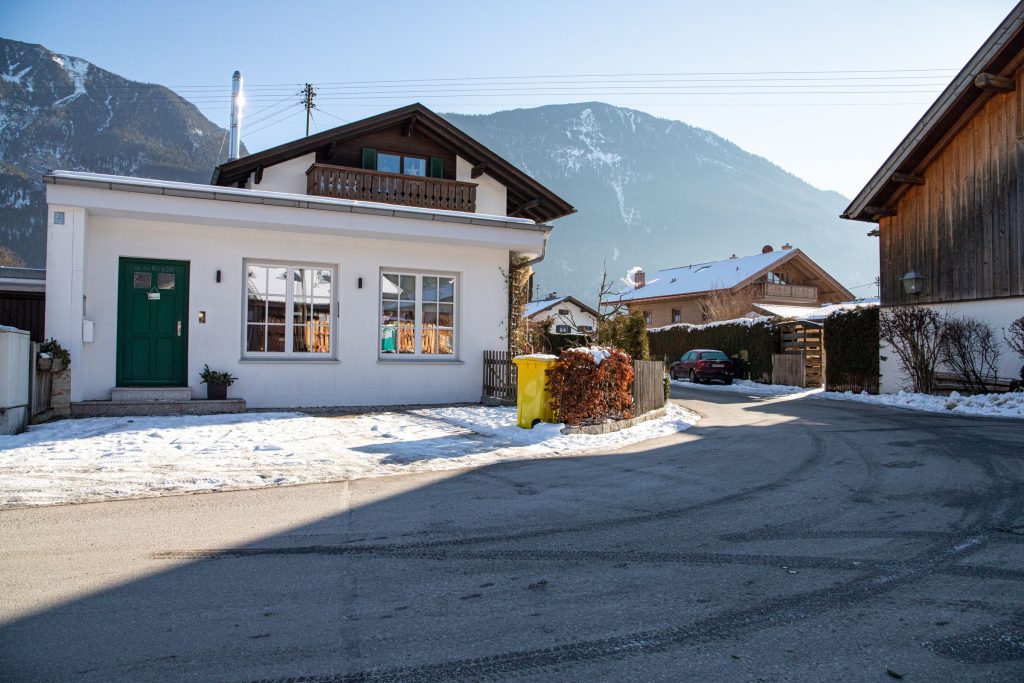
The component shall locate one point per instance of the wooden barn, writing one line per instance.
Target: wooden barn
(949, 200)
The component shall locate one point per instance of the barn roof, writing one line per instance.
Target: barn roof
(999, 56)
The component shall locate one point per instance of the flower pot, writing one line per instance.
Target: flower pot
(216, 392)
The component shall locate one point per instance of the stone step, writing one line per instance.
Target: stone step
(125, 408)
(147, 394)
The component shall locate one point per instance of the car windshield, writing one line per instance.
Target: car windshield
(713, 355)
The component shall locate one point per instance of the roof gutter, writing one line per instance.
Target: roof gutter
(543, 249)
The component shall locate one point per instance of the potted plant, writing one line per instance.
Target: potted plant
(52, 356)
(216, 382)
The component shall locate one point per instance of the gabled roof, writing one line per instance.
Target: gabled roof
(726, 274)
(534, 307)
(999, 56)
(522, 188)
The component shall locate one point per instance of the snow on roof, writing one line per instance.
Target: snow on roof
(535, 307)
(703, 277)
(815, 312)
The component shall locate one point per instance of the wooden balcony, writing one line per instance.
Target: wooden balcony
(341, 182)
(790, 294)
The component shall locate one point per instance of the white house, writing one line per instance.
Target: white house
(364, 265)
(567, 315)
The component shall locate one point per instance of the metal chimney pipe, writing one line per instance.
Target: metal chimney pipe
(236, 115)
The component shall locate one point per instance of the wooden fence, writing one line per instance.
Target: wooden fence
(648, 386)
(807, 340)
(41, 389)
(500, 376)
(789, 369)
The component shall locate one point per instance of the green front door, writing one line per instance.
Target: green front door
(152, 323)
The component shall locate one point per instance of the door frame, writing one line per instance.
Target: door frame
(119, 351)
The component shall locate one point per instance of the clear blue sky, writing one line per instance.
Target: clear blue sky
(833, 133)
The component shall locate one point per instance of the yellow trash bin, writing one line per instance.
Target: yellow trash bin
(533, 402)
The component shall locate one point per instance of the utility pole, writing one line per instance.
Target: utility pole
(878, 286)
(308, 93)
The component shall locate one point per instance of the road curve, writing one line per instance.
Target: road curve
(779, 539)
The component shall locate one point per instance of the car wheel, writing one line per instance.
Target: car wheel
(728, 380)
(693, 377)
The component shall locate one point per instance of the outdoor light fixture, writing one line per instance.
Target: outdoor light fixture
(913, 282)
(360, 283)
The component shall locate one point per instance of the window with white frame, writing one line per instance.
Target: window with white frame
(417, 314)
(289, 310)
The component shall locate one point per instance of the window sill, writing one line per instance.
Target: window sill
(307, 361)
(419, 361)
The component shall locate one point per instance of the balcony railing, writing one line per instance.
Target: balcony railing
(341, 182)
(795, 293)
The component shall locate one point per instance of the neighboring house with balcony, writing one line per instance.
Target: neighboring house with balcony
(678, 295)
(949, 200)
(365, 265)
(565, 314)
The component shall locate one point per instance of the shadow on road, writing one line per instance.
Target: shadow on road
(571, 568)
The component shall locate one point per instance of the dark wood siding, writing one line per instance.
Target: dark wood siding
(962, 229)
(24, 310)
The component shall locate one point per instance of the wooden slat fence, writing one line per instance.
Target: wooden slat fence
(806, 339)
(500, 376)
(648, 386)
(41, 388)
(789, 369)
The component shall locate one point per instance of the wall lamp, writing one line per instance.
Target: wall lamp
(913, 282)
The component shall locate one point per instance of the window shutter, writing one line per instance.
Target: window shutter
(436, 167)
(369, 158)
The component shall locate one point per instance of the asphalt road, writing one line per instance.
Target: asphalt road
(779, 540)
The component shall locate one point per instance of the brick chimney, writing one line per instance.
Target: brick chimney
(767, 249)
(787, 246)
(639, 279)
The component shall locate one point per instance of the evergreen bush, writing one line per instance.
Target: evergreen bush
(851, 351)
(749, 344)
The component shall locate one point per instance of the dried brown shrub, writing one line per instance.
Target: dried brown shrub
(585, 392)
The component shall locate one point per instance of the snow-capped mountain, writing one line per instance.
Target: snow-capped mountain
(660, 193)
(58, 111)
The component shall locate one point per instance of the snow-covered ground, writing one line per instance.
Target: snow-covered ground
(990, 405)
(126, 457)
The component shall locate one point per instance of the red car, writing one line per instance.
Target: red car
(701, 365)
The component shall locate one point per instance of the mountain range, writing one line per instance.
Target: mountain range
(59, 111)
(657, 193)
(649, 192)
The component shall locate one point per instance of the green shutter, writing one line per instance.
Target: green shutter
(436, 167)
(369, 158)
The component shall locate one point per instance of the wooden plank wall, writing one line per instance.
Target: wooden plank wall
(962, 229)
(788, 368)
(648, 386)
(24, 310)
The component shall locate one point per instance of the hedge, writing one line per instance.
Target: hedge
(751, 344)
(851, 351)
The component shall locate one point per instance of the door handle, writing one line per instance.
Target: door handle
(179, 328)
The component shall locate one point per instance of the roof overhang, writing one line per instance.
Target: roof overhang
(191, 203)
(1000, 56)
(524, 188)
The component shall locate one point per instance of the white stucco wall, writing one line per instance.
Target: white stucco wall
(491, 196)
(357, 378)
(104, 225)
(288, 176)
(998, 313)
